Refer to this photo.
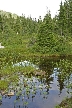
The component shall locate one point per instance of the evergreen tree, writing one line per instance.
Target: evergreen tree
(45, 39)
(70, 16)
(61, 19)
(1, 24)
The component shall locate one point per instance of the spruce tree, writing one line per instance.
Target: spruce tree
(45, 39)
(61, 19)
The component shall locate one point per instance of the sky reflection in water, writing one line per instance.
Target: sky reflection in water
(54, 96)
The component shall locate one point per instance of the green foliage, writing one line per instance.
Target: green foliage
(25, 39)
(65, 18)
(65, 71)
(49, 42)
(50, 36)
(3, 84)
(67, 103)
(45, 40)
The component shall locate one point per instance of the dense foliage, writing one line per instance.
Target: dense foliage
(50, 35)
(53, 34)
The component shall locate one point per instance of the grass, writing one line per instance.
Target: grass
(3, 84)
(67, 103)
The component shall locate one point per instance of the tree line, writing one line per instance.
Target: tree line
(50, 35)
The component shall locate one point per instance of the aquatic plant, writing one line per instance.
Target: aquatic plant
(3, 84)
(66, 103)
(0, 99)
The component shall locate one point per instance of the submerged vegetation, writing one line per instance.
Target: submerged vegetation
(46, 42)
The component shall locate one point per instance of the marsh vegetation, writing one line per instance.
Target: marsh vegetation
(23, 86)
(36, 61)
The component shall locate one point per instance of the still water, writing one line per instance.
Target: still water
(38, 92)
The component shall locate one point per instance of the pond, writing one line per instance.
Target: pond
(39, 91)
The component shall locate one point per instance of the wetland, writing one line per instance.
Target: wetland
(28, 84)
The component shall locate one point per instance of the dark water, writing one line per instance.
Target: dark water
(49, 90)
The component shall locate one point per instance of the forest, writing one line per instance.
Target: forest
(43, 36)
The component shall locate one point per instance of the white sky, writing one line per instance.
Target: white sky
(35, 8)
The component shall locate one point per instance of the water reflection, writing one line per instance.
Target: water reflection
(40, 92)
(25, 63)
(62, 72)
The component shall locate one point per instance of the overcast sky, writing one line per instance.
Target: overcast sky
(35, 8)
